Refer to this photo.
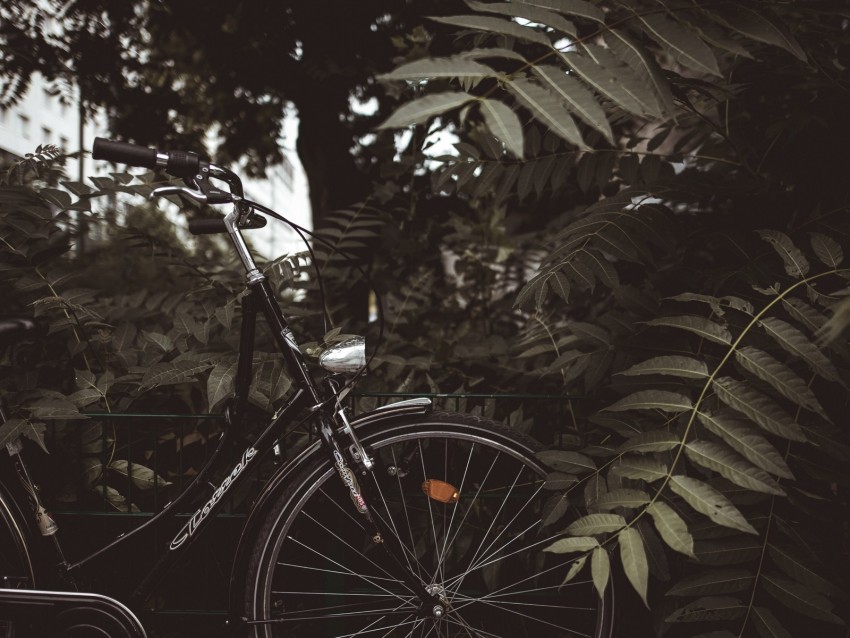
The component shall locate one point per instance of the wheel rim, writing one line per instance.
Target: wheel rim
(480, 556)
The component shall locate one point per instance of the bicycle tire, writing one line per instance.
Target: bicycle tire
(315, 572)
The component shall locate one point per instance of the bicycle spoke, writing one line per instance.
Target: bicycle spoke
(347, 544)
(493, 522)
(538, 620)
(367, 579)
(454, 510)
(529, 591)
(334, 571)
(408, 553)
(430, 514)
(536, 574)
(507, 526)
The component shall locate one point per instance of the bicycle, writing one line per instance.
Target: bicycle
(403, 521)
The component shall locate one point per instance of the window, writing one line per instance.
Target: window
(25, 125)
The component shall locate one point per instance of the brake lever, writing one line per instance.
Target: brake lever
(164, 191)
(198, 187)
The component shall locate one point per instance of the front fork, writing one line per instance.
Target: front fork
(355, 468)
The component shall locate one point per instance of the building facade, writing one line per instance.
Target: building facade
(43, 117)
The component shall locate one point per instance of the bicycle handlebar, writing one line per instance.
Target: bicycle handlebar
(177, 163)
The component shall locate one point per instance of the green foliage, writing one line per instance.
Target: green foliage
(683, 265)
(158, 333)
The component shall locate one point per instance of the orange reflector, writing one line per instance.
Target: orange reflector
(440, 491)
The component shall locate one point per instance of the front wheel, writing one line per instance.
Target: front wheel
(315, 571)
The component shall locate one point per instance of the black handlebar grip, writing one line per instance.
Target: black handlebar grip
(208, 226)
(123, 153)
(179, 163)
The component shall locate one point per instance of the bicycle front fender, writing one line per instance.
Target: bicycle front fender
(279, 480)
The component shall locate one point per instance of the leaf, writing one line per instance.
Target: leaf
(795, 261)
(54, 408)
(428, 68)
(767, 625)
(494, 52)
(423, 108)
(642, 468)
(760, 27)
(600, 570)
(495, 25)
(799, 597)
(85, 397)
(559, 481)
(758, 407)
(575, 569)
(560, 284)
(700, 326)
(553, 509)
(220, 383)
(92, 470)
(706, 500)
(12, 429)
(780, 377)
(741, 549)
(547, 108)
(652, 400)
(709, 608)
(142, 477)
(804, 313)
(593, 524)
(790, 563)
(174, 372)
(795, 342)
(604, 81)
(713, 582)
(579, 99)
(578, 8)
(627, 498)
(656, 552)
(633, 557)
(644, 63)
(535, 290)
(567, 461)
(690, 50)
(654, 441)
(114, 498)
(527, 12)
(224, 314)
(671, 365)
(595, 487)
(163, 342)
(671, 528)
(504, 124)
(747, 442)
(730, 465)
(575, 544)
(827, 250)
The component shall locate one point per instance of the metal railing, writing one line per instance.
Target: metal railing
(175, 447)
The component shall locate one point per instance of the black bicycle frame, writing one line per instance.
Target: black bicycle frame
(305, 395)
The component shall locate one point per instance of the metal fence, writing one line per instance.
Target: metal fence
(126, 467)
